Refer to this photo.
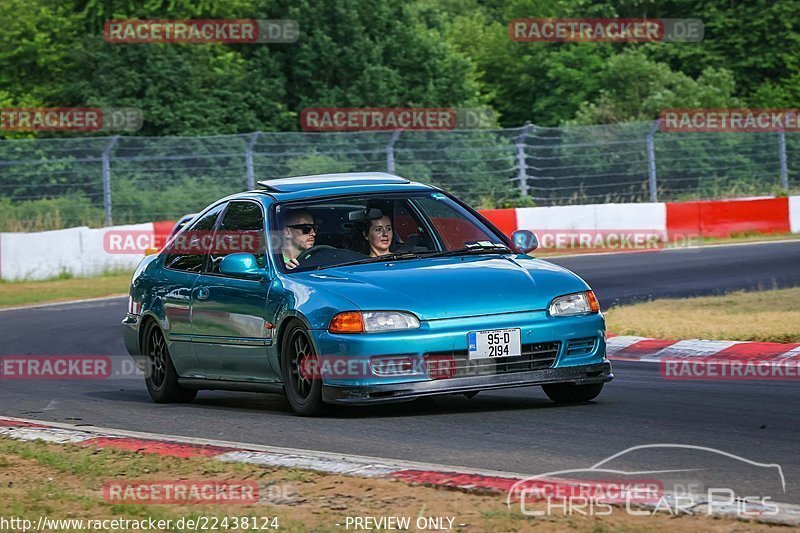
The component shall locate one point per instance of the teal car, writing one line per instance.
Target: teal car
(356, 289)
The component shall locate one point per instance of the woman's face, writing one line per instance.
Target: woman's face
(379, 236)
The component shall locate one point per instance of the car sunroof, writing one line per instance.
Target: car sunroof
(328, 181)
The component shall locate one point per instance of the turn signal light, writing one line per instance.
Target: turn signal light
(594, 305)
(347, 322)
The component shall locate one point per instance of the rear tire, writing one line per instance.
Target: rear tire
(161, 377)
(571, 393)
(303, 392)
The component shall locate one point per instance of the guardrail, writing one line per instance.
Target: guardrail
(83, 251)
(104, 180)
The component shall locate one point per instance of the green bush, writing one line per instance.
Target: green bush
(45, 214)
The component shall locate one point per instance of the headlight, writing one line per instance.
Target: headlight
(389, 321)
(574, 304)
(372, 321)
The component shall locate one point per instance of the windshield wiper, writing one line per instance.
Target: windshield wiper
(495, 248)
(378, 259)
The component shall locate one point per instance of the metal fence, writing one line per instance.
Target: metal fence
(96, 181)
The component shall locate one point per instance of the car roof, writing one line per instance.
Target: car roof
(300, 187)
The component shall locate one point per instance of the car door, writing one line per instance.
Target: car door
(184, 259)
(231, 326)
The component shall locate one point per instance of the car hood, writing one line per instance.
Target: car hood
(449, 287)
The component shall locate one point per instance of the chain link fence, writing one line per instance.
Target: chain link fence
(53, 183)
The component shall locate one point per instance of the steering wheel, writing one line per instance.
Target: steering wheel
(311, 251)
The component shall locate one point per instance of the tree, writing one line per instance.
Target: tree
(636, 88)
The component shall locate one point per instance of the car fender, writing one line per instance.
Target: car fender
(315, 314)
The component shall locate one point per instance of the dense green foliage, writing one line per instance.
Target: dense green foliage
(387, 53)
(384, 53)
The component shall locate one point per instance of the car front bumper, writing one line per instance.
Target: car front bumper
(396, 392)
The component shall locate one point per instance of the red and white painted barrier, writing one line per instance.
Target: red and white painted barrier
(725, 218)
(715, 218)
(794, 214)
(83, 251)
(74, 251)
(77, 251)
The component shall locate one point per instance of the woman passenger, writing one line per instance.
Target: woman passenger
(379, 236)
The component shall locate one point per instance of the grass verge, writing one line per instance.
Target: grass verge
(67, 482)
(772, 316)
(14, 293)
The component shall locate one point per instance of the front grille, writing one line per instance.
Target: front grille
(581, 346)
(442, 365)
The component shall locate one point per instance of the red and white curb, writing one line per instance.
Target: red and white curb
(630, 348)
(185, 447)
(457, 478)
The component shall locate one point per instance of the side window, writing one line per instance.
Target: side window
(409, 229)
(188, 250)
(241, 230)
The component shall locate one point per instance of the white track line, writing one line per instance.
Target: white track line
(66, 302)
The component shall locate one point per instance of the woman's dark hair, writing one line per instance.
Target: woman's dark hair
(360, 229)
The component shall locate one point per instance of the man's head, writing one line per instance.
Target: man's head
(299, 230)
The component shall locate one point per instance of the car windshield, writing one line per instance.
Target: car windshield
(377, 227)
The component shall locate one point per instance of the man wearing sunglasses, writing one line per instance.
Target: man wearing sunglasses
(299, 234)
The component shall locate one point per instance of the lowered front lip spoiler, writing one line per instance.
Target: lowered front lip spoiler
(398, 392)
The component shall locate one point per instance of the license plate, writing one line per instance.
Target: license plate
(493, 343)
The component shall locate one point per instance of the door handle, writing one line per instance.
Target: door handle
(202, 293)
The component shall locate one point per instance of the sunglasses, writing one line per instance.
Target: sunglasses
(305, 228)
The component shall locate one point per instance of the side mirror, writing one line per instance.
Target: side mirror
(241, 265)
(525, 240)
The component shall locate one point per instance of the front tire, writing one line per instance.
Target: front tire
(571, 393)
(161, 377)
(303, 391)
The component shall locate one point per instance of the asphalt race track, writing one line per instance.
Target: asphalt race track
(517, 430)
(707, 270)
